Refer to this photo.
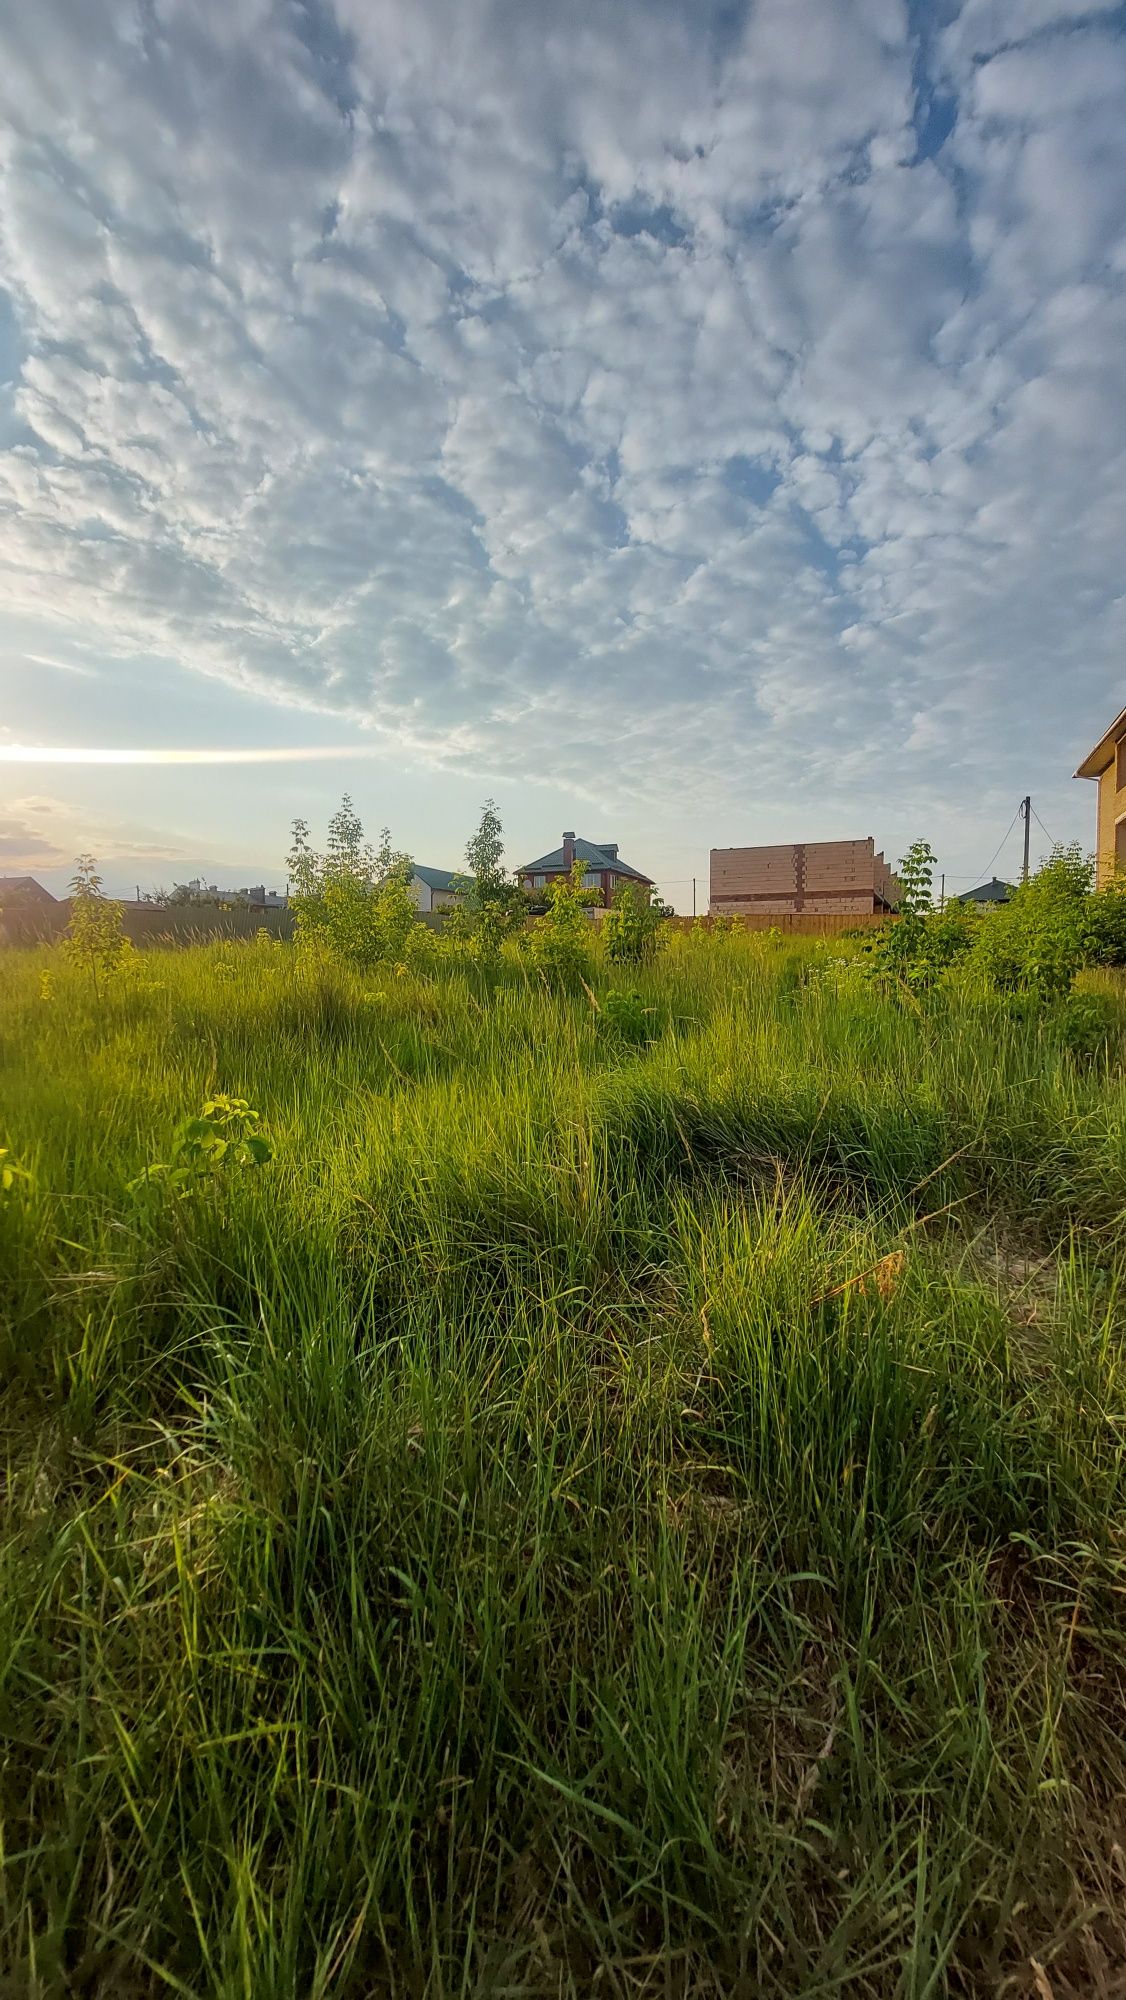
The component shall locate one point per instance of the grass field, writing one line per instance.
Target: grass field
(582, 1518)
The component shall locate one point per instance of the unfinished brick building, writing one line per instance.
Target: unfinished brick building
(843, 878)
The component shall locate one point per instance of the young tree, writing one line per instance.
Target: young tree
(490, 906)
(348, 853)
(916, 880)
(923, 942)
(351, 901)
(394, 912)
(95, 937)
(484, 851)
(633, 930)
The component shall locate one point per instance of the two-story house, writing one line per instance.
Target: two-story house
(604, 868)
(433, 888)
(1106, 763)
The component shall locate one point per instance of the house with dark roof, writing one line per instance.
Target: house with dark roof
(989, 893)
(26, 892)
(433, 888)
(605, 869)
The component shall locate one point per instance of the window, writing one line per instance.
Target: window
(1120, 765)
(592, 881)
(1120, 847)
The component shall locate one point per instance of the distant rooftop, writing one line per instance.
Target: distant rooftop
(599, 860)
(995, 891)
(25, 885)
(436, 878)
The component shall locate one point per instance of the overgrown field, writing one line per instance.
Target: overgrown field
(627, 1499)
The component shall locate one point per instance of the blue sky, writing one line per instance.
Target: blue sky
(688, 423)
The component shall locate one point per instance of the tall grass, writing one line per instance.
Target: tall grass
(584, 1517)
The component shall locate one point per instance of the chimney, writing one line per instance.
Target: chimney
(568, 851)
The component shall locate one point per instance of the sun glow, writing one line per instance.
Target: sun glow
(33, 753)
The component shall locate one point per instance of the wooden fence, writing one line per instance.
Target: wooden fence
(805, 923)
(185, 926)
(179, 926)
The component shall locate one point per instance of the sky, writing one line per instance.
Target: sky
(691, 424)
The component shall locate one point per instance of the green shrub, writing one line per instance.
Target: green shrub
(353, 901)
(1105, 925)
(226, 1135)
(1088, 1024)
(628, 1017)
(560, 941)
(1037, 941)
(924, 943)
(633, 930)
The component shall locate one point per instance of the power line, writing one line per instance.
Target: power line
(1000, 844)
(1043, 828)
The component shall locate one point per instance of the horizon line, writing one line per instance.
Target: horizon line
(29, 753)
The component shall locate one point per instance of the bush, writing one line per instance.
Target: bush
(351, 901)
(560, 944)
(1087, 1025)
(633, 931)
(1037, 941)
(922, 946)
(1105, 925)
(626, 1016)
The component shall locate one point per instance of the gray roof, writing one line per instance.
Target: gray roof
(22, 884)
(435, 878)
(596, 858)
(989, 892)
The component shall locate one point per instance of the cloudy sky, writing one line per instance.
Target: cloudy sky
(690, 422)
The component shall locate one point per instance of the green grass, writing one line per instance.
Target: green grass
(582, 1519)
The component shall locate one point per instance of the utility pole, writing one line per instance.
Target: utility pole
(942, 892)
(1026, 815)
(693, 895)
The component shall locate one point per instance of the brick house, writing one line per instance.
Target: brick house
(605, 869)
(1106, 763)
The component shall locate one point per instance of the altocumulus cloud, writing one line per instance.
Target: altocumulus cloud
(507, 376)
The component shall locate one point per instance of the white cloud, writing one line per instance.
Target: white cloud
(41, 833)
(615, 388)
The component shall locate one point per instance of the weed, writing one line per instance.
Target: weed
(628, 1017)
(224, 1137)
(12, 1175)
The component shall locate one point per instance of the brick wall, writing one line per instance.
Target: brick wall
(807, 924)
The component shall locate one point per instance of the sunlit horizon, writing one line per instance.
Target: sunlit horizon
(31, 753)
